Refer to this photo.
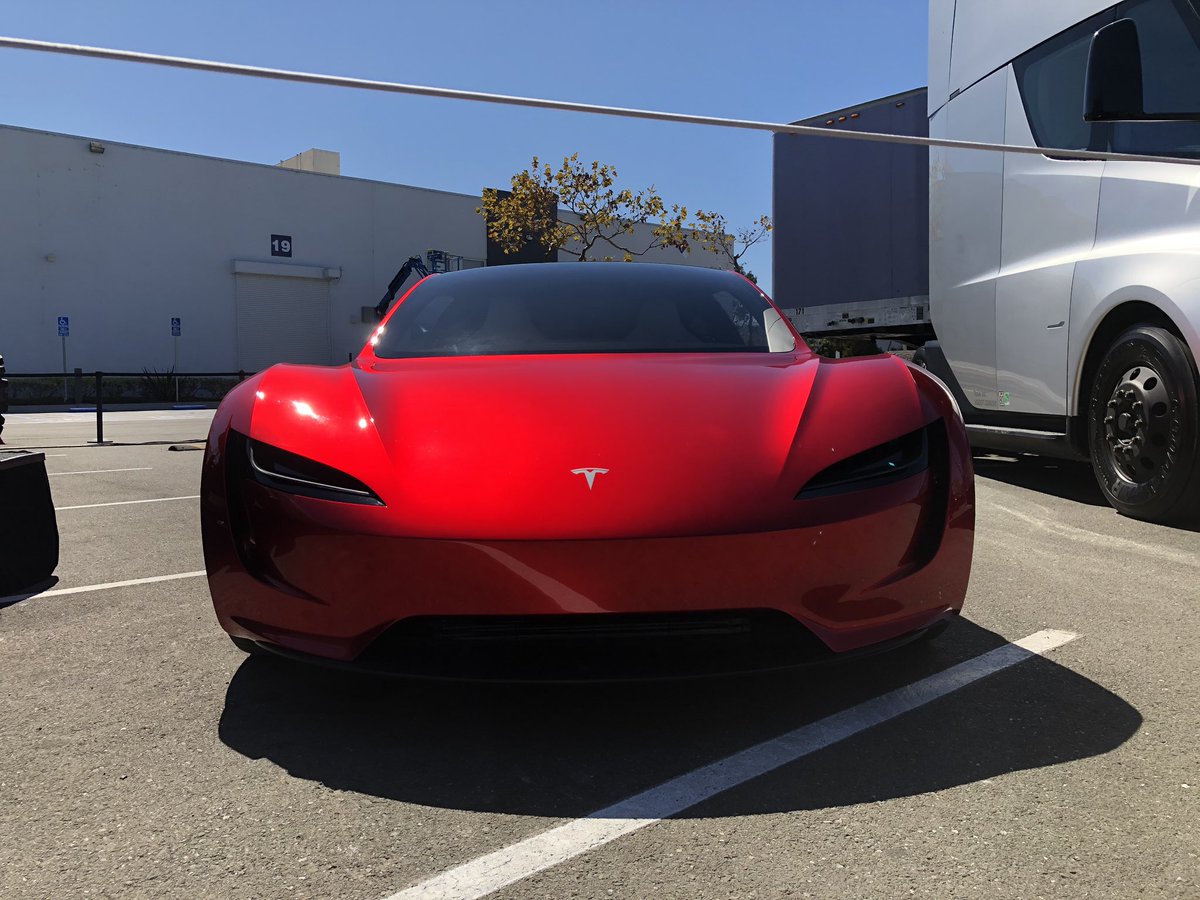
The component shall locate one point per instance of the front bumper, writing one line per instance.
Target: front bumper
(308, 585)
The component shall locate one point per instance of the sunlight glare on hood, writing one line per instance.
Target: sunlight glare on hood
(303, 409)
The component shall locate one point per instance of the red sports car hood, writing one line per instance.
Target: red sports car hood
(590, 446)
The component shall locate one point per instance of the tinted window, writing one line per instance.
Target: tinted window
(1168, 32)
(583, 308)
(1050, 77)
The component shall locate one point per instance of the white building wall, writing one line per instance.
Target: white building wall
(122, 241)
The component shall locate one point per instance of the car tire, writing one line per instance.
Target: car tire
(919, 358)
(1142, 426)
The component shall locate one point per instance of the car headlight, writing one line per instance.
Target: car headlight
(285, 471)
(883, 464)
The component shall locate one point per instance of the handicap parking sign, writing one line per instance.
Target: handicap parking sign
(64, 326)
(176, 326)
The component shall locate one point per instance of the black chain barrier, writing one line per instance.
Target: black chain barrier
(99, 377)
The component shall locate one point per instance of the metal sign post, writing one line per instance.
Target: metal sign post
(64, 331)
(176, 331)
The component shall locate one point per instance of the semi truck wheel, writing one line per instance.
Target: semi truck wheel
(1142, 426)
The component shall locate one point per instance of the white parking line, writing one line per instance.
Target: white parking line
(1108, 542)
(127, 502)
(102, 471)
(99, 587)
(494, 871)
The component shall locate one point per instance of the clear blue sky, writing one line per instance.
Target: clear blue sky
(777, 60)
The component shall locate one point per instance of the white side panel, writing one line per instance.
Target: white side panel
(965, 195)
(989, 34)
(1147, 249)
(941, 23)
(1049, 224)
(281, 320)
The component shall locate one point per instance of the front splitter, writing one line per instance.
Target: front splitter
(596, 662)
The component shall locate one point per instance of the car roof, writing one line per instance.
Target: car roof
(617, 274)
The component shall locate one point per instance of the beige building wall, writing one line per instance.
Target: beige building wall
(324, 162)
(121, 239)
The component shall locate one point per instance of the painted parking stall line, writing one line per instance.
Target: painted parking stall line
(127, 502)
(1101, 541)
(109, 585)
(493, 871)
(102, 471)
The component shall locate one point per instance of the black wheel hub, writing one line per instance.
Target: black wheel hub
(1137, 424)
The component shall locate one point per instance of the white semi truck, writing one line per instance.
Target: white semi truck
(1064, 294)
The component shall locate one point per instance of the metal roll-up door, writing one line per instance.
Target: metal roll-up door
(282, 319)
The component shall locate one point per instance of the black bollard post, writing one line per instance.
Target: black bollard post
(100, 408)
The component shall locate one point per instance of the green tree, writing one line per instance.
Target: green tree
(848, 345)
(605, 217)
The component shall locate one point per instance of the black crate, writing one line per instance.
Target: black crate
(28, 527)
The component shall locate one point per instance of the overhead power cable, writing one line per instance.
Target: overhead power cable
(392, 87)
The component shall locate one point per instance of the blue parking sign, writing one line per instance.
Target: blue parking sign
(64, 326)
(176, 326)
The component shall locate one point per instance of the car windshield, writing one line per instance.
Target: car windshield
(583, 308)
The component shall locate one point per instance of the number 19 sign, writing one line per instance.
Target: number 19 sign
(281, 245)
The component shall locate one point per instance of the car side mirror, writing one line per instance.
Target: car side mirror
(1112, 87)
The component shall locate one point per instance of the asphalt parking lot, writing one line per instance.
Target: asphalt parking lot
(142, 755)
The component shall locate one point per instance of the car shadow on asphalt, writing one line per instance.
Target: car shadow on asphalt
(1066, 478)
(570, 749)
(1069, 479)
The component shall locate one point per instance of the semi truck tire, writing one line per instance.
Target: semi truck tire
(1143, 429)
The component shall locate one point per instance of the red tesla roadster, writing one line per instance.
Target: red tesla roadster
(612, 467)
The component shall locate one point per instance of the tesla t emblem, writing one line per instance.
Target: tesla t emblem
(589, 474)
